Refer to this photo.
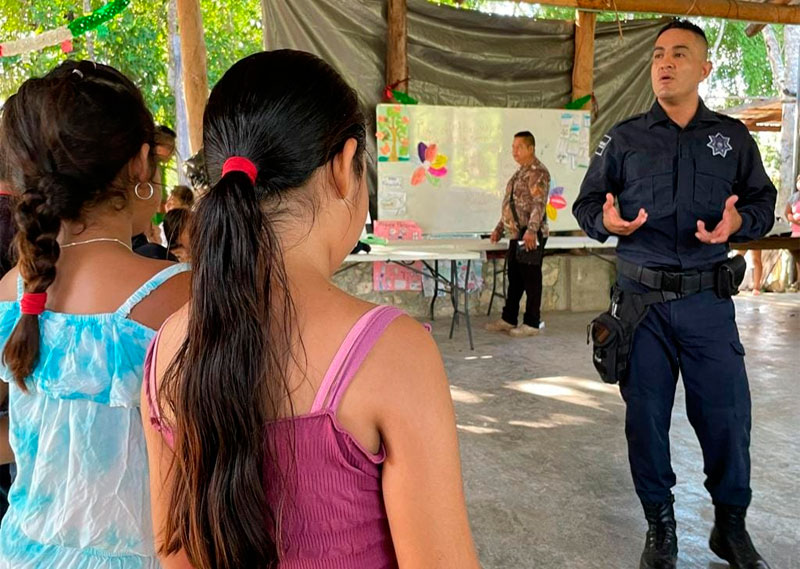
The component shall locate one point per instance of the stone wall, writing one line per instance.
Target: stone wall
(572, 282)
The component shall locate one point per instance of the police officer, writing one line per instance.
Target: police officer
(687, 182)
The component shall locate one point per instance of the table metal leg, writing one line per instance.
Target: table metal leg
(494, 286)
(435, 288)
(466, 305)
(453, 296)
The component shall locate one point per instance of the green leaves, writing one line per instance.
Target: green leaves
(135, 42)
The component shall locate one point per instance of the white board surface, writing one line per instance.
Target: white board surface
(446, 168)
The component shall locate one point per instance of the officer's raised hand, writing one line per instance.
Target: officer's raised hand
(614, 223)
(729, 224)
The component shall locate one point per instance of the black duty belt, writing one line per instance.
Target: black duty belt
(682, 283)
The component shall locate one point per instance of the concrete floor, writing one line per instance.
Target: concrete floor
(544, 455)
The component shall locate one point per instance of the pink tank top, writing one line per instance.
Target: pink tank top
(332, 514)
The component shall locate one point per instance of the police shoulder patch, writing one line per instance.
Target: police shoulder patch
(601, 148)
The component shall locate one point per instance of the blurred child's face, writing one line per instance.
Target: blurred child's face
(181, 250)
(171, 204)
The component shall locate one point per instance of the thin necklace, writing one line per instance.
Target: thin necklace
(98, 240)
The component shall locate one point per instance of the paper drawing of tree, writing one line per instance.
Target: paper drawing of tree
(392, 135)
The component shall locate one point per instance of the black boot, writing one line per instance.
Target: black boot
(661, 545)
(730, 540)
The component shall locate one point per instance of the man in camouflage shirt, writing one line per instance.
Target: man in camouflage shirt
(528, 189)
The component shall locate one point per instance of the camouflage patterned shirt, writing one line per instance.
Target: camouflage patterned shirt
(530, 186)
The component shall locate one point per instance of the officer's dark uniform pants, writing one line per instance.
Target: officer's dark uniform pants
(697, 336)
(522, 278)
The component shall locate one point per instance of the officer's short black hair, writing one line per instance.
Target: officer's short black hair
(527, 136)
(678, 24)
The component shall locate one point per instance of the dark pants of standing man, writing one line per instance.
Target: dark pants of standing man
(523, 278)
(696, 336)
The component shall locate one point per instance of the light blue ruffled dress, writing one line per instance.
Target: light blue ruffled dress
(81, 499)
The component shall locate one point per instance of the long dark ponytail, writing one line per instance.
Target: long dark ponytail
(65, 138)
(289, 113)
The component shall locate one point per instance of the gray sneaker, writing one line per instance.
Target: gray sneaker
(524, 331)
(499, 326)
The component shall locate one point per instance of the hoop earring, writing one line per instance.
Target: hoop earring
(144, 198)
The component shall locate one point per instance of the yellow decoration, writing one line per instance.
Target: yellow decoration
(439, 162)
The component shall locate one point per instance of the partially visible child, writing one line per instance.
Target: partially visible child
(76, 316)
(180, 197)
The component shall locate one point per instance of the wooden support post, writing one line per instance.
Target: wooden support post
(195, 74)
(583, 67)
(726, 9)
(397, 45)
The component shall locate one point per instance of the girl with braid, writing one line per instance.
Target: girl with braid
(76, 316)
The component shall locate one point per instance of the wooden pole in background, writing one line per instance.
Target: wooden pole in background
(397, 44)
(264, 18)
(583, 67)
(195, 73)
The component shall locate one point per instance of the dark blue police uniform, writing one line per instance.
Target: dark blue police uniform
(679, 176)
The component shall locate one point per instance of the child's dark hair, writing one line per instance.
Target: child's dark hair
(184, 195)
(175, 222)
(67, 137)
(290, 114)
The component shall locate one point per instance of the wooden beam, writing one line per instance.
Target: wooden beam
(583, 67)
(727, 9)
(195, 74)
(397, 45)
(755, 29)
(761, 126)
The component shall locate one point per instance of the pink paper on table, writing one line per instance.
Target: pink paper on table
(390, 276)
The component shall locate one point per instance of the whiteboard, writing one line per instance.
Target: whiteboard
(446, 168)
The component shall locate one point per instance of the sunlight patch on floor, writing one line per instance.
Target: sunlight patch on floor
(573, 390)
(553, 421)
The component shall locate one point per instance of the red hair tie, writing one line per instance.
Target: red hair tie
(240, 164)
(33, 303)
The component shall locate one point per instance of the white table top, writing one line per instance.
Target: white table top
(461, 249)
(410, 252)
(555, 242)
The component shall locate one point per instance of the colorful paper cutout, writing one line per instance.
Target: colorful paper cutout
(392, 135)
(555, 202)
(432, 166)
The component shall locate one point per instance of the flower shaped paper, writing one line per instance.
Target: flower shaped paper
(433, 165)
(555, 203)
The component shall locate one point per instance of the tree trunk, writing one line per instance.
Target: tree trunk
(175, 77)
(87, 8)
(791, 42)
(264, 42)
(195, 74)
(774, 56)
(713, 55)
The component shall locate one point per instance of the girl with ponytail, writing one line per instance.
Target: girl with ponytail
(290, 424)
(76, 316)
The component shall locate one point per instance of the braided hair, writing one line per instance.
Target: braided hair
(66, 137)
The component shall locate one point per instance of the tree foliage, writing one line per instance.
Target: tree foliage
(136, 42)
